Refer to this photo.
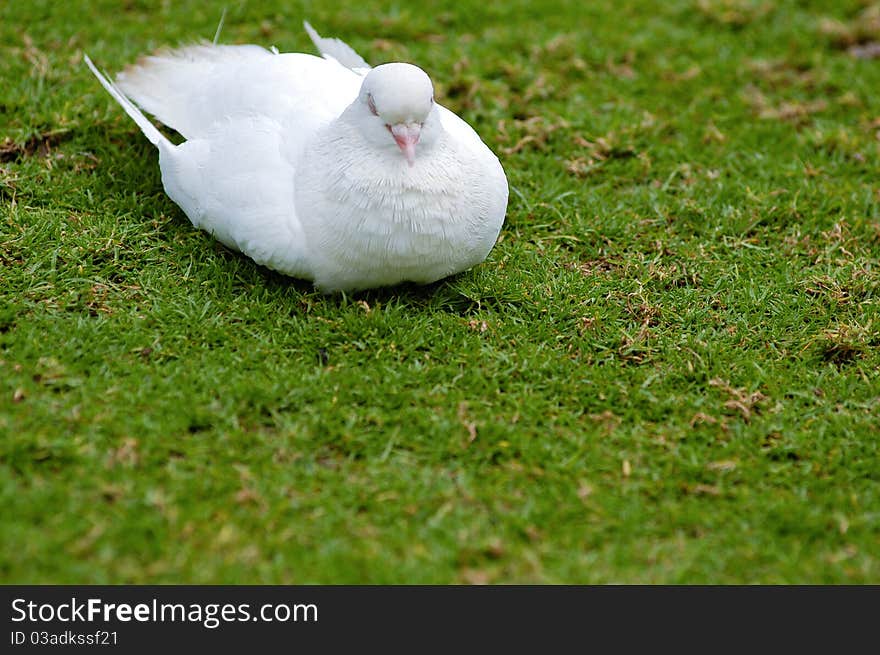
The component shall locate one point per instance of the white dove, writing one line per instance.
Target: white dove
(322, 169)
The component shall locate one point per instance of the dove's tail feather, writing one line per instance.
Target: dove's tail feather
(184, 88)
(338, 50)
(153, 135)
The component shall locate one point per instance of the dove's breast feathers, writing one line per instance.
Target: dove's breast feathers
(273, 167)
(373, 212)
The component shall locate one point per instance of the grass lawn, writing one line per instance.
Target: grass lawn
(667, 371)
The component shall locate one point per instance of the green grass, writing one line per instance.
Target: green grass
(667, 371)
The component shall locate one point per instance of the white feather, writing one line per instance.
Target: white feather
(337, 50)
(153, 135)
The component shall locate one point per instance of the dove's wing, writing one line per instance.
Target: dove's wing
(247, 114)
(338, 50)
(237, 183)
(193, 88)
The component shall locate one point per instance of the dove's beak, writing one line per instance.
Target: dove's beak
(407, 136)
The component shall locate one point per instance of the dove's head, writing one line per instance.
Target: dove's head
(396, 107)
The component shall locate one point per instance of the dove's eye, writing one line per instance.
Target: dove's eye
(371, 105)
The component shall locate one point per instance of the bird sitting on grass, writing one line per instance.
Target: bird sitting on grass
(320, 168)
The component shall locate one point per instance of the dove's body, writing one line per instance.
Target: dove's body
(275, 165)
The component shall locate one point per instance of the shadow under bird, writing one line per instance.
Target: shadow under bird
(320, 168)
